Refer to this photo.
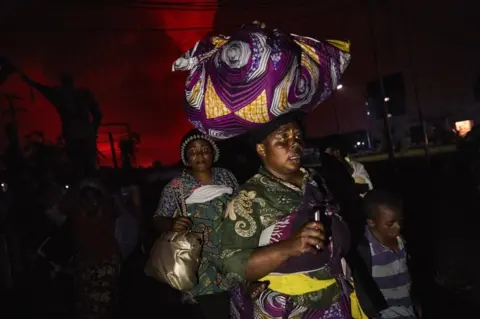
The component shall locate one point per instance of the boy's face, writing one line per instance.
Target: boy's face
(387, 223)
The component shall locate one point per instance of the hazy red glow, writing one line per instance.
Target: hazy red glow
(129, 72)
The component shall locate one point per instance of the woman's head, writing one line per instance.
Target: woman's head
(337, 145)
(281, 150)
(91, 197)
(198, 151)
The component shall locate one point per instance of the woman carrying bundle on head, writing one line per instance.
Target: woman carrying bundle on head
(283, 228)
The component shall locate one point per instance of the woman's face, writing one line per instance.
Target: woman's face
(90, 201)
(281, 151)
(199, 155)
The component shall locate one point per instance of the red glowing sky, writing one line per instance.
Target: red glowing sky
(124, 55)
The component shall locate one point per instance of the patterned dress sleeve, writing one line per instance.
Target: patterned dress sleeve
(233, 182)
(167, 205)
(240, 233)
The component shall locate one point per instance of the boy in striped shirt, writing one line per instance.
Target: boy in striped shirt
(388, 254)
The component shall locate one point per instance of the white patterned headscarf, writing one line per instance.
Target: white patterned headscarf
(194, 135)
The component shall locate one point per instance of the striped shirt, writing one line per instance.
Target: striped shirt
(390, 272)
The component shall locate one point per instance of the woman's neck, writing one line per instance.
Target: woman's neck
(205, 177)
(295, 179)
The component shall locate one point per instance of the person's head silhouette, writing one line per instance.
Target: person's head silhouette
(66, 80)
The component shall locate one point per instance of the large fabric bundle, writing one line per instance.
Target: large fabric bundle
(241, 82)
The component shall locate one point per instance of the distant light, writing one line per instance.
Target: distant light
(66, 186)
(358, 143)
(368, 113)
(339, 87)
(389, 115)
(387, 99)
(366, 103)
(363, 143)
(463, 127)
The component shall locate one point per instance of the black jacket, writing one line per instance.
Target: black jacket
(343, 188)
(369, 295)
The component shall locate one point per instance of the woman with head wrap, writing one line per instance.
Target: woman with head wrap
(282, 227)
(197, 200)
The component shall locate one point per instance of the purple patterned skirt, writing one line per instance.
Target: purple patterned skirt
(274, 305)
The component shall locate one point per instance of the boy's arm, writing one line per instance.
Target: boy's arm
(416, 284)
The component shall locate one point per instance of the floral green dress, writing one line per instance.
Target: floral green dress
(207, 218)
(268, 210)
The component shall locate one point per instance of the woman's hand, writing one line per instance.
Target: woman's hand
(309, 239)
(181, 224)
(266, 259)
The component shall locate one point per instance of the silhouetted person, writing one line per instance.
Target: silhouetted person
(80, 116)
(127, 149)
(14, 160)
(342, 186)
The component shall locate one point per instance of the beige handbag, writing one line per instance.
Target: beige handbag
(175, 256)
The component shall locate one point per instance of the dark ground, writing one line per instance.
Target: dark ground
(439, 227)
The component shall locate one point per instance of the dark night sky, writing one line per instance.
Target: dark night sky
(124, 55)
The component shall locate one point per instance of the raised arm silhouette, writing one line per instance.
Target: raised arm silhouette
(80, 116)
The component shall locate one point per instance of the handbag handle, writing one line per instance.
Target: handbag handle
(183, 209)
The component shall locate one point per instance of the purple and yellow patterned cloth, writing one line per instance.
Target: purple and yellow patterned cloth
(239, 82)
